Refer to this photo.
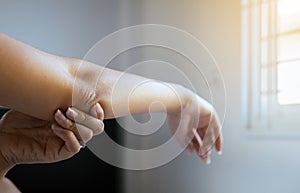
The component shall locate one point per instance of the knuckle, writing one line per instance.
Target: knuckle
(69, 123)
(85, 133)
(81, 117)
(69, 134)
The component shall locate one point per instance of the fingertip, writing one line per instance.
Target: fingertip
(93, 111)
(206, 159)
(99, 128)
(57, 112)
(218, 145)
(57, 115)
(62, 120)
(71, 113)
(97, 111)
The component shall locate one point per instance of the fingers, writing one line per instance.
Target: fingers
(83, 119)
(97, 111)
(83, 133)
(207, 137)
(62, 120)
(219, 145)
(217, 129)
(200, 140)
(205, 156)
(71, 144)
(77, 135)
(213, 136)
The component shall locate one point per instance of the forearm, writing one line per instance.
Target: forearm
(121, 93)
(37, 83)
(32, 81)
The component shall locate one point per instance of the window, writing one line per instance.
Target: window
(271, 64)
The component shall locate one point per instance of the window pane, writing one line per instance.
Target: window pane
(288, 15)
(264, 80)
(264, 53)
(264, 19)
(288, 83)
(288, 47)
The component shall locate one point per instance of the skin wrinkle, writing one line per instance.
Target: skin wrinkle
(46, 82)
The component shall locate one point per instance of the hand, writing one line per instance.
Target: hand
(197, 126)
(25, 139)
(86, 126)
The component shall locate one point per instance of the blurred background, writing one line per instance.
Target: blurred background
(256, 45)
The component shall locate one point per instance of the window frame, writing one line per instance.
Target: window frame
(262, 115)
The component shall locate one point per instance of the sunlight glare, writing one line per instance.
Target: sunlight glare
(288, 83)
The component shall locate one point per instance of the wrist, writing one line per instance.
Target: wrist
(182, 98)
(185, 98)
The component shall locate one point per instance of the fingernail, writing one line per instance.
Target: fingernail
(72, 113)
(60, 115)
(102, 125)
(208, 161)
(99, 111)
(219, 152)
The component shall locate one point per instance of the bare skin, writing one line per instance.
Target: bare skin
(25, 139)
(42, 83)
(7, 186)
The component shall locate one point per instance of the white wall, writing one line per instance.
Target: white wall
(249, 164)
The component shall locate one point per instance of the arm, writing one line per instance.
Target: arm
(32, 81)
(38, 83)
(42, 82)
(122, 94)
